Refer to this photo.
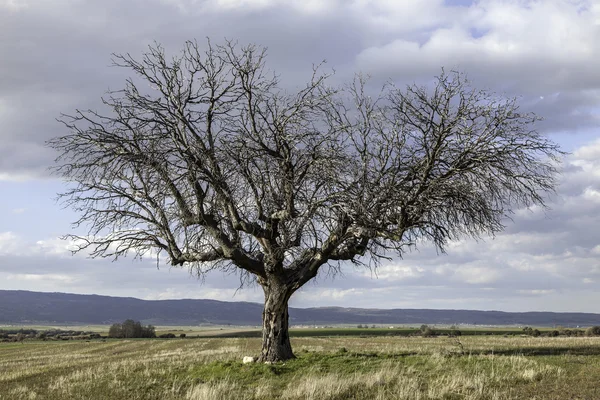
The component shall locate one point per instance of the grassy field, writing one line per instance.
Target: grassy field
(472, 367)
(232, 331)
(212, 331)
(326, 332)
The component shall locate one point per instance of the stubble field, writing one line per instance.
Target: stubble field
(470, 367)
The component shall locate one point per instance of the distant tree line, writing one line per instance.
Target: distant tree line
(131, 329)
(561, 331)
(19, 335)
(134, 329)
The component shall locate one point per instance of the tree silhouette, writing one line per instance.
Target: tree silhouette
(205, 158)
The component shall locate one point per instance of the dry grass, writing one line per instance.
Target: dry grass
(486, 367)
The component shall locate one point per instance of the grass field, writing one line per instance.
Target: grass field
(326, 332)
(249, 332)
(472, 367)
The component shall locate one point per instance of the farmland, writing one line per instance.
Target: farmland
(327, 367)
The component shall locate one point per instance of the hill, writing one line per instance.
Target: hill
(25, 307)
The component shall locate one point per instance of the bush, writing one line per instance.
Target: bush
(592, 331)
(167, 336)
(426, 331)
(182, 336)
(531, 332)
(131, 329)
(454, 331)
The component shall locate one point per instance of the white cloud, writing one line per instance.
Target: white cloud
(55, 247)
(14, 5)
(591, 195)
(537, 292)
(537, 47)
(10, 243)
(205, 292)
(197, 7)
(401, 16)
(19, 176)
(308, 296)
(46, 278)
(477, 275)
(589, 153)
(396, 272)
(18, 245)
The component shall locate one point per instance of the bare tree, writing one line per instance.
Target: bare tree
(218, 167)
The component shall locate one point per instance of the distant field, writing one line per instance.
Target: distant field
(232, 331)
(334, 368)
(315, 332)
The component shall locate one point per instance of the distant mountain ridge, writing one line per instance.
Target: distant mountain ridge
(25, 307)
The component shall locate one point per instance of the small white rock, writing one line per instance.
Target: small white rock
(248, 360)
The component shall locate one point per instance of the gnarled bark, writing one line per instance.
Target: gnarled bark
(275, 335)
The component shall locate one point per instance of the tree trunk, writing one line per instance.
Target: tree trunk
(275, 335)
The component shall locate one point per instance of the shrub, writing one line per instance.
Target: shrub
(131, 329)
(593, 331)
(531, 332)
(426, 331)
(454, 331)
(167, 336)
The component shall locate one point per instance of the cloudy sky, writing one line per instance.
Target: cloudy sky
(55, 57)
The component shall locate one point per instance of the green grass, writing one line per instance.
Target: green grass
(335, 368)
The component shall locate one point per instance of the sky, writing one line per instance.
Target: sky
(55, 57)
